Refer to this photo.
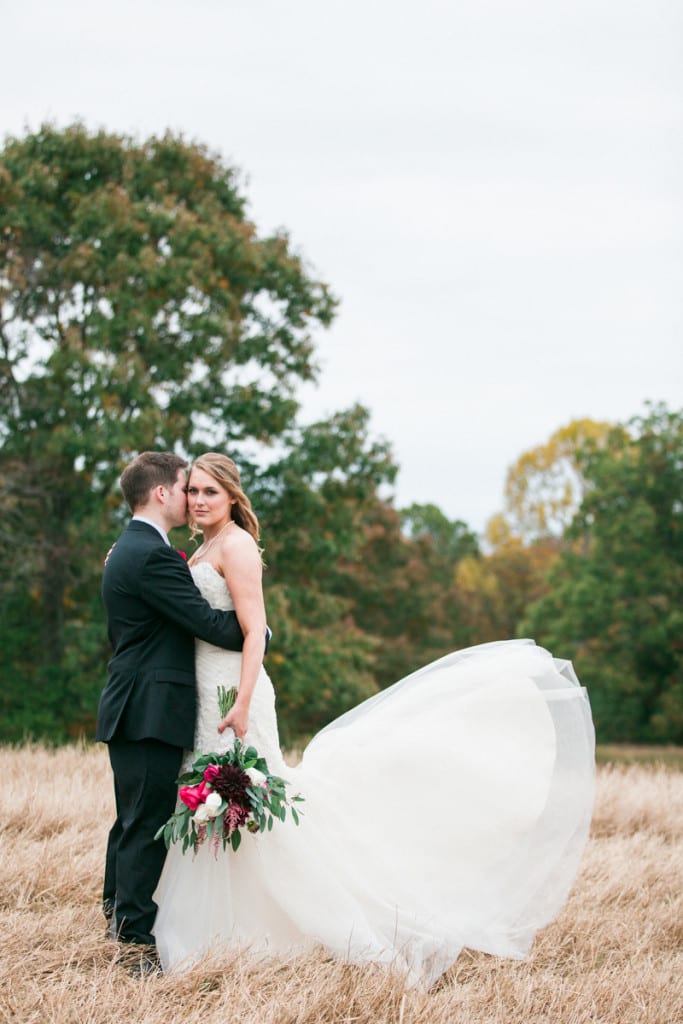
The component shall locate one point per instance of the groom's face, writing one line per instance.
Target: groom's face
(177, 501)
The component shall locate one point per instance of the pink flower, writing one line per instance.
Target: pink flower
(182, 554)
(210, 772)
(234, 817)
(193, 796)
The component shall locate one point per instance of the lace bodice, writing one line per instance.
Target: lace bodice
(212, 585)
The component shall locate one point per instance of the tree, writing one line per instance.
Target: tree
(400, 582)
(615, 605)
(314, 501)
(543, 490)
(496, 588)
(138, 309)
(450, 540)
(545, 486)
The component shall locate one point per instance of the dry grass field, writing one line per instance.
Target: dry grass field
(615, 955)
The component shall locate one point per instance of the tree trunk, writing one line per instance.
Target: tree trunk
(55, 577)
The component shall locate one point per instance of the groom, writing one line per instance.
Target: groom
(147, 709)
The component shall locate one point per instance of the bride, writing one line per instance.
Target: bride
(450, 810)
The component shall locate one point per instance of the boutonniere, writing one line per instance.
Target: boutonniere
(182, 554)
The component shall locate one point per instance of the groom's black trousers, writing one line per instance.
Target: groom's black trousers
(145, 773)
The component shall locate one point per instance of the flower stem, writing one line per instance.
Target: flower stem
(226, 699)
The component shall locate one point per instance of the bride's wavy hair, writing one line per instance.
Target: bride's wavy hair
(225, 472)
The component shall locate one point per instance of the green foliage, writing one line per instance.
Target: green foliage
(314, 501)
(151, 296)
(449, 540)
(138, 309)
(402, 586)
(322, 665)
(263, 800)
(616, 600)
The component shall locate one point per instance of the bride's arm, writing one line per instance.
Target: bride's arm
(240, 563)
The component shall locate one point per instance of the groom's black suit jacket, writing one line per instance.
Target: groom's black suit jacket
(154, 611)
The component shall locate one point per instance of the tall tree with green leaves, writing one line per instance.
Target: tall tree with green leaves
(139, 308)
(615, 605)
(315, 501)
(400, 582)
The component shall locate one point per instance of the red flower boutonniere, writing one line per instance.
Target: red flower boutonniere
(182, 554)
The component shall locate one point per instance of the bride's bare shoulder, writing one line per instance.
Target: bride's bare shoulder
(239, 543)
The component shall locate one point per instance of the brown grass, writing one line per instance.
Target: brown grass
(614, 955)
(624, 753)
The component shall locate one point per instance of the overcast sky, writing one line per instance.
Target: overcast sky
(494, 190)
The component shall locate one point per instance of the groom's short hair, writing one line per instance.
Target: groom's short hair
(147, 471)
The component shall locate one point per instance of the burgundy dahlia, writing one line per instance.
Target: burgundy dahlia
(231, 783)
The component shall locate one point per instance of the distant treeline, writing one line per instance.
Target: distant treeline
(140, 309)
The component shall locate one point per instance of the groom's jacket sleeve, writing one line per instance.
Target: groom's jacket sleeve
(167, 586)
(154, 611)
(166, 601)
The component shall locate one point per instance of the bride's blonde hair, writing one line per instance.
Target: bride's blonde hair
(225, 472)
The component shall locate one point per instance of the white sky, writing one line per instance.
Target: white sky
(493, 189)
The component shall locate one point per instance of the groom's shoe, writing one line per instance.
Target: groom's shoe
(145, 968)
(109, 911)
(139, 961)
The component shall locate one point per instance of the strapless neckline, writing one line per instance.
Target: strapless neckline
(208, 565)
(212, 585)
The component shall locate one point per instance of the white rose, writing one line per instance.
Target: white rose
(201, 815)
(256, 777)
(213, 802)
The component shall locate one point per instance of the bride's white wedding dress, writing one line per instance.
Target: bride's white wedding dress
(450, 810)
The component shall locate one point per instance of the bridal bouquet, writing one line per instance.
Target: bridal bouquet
(223, 793)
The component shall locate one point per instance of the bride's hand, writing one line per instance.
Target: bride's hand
(236, 719)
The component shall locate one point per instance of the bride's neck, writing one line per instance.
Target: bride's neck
(207, 542)
(212, 532)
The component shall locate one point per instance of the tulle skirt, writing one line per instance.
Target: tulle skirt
(451, 810)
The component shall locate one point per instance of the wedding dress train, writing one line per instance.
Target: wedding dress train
(449, 810)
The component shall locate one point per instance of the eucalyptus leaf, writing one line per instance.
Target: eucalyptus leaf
(188, 778)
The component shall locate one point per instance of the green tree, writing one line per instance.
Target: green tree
(616, 600)
(314, 501)
(401, 585)
(450, 540)
(138, 309)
